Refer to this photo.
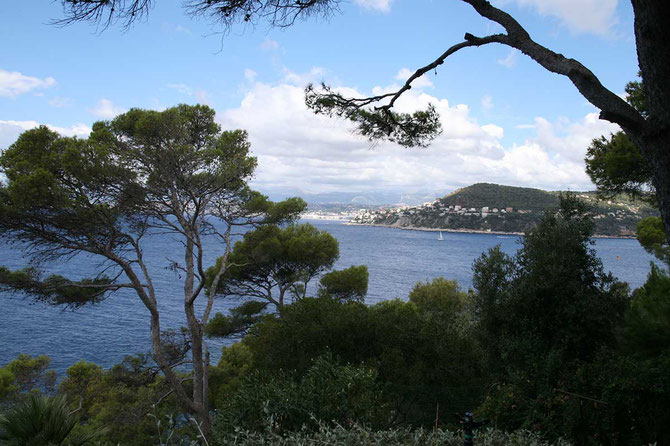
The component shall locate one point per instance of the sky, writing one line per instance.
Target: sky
(505, 119)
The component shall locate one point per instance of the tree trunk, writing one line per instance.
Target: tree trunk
(652, 38)
(661, 168)
(200, 407)
(656, 150)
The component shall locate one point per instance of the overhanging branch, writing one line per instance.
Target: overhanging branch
(380, 121)
(469, 41)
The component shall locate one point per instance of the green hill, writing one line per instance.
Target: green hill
(495, 195)
(494, 208)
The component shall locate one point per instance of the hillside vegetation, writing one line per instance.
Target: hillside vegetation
(495, 195)
(495, 208)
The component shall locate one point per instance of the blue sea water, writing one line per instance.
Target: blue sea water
(118, 326)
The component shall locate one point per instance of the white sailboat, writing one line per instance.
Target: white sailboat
(440, 237)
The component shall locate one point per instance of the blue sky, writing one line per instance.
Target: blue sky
(505, 119)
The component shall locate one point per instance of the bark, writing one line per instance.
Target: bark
(149, 301)
(652, 36)
(651, 133)
(613, 107)
(196, 330)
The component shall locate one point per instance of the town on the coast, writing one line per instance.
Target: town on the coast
(491, 208)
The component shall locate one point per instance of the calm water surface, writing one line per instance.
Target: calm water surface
(396, 260)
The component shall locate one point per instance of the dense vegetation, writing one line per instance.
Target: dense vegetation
(546, 341)
(527, 205)
(496, 195)
(144, 173)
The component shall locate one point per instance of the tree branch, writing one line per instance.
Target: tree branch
(469, 41)
(613, 108)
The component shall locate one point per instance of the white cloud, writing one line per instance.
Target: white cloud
(571, 139)
(315, 74)
(181, 88)
(421, 82)
(60, 102)
(10, 130)
(300, 152)
(106, 109)
(250, 75)
(582, 16)
(494, 130)
(13, 83)
(511, 59)
(269, 45)
(487, 103)
(377, 5)
(201, 96)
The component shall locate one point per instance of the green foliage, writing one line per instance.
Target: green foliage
(55, 289)
(631, 407)
(496, 195)
(141, 174)
(544, 312)
(102, 194)
(238, 322)
(617, 394)
(361, 435)
(533, 303)
(442, 297)
(493, 274)
(233, 367)
(30, 374)
(271, 261)
(346, 284)
(616, 166)
(7, 386)
(41, 420)
(126, 400)
(651, 235)
(637, 393)
(416, 129)
(424, 351)
(327, 393)
(636, 96)
(648, 319)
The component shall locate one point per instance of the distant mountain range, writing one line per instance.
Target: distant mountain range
(366, 198)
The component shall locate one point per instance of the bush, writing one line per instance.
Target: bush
(359, 435)
(423, 350)
(327, 393)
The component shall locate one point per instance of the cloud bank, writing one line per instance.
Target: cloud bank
(300, 152)
(303, 153)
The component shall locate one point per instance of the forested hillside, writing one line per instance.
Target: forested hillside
(495, 195)
(495, 208)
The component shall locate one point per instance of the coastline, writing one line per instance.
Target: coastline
(467, 231)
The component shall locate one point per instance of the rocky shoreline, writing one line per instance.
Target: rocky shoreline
(468, 231)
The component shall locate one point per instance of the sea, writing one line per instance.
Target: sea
(396, 259)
